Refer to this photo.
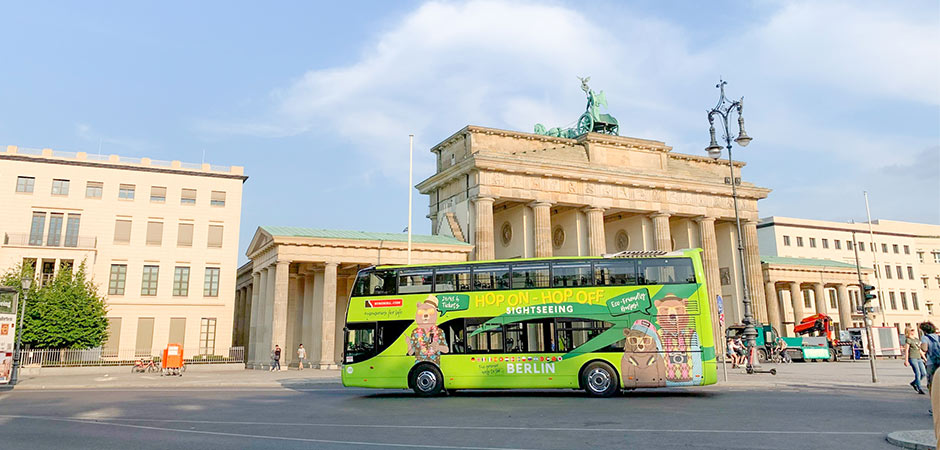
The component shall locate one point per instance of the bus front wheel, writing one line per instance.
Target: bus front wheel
(426, 380)
(599, 380)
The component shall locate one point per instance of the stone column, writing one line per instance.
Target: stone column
(542, 212)
(819, 291)
(597, 242)
(327, 358)
(249, 313)
(258, 354)
(796, 298)
(269, 287)
(306, 335)
(483, 233)
(752, 271)
(845, 309)
(279, 316)
(706, 230)
(661, 236)
(237, 314)
(774, 315)
(295, 315)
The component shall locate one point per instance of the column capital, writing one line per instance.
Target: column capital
(656, 214)
(281, 262)
(482, 198)
(704, 219)
(592, 208)
(539, 204)
(331, 264)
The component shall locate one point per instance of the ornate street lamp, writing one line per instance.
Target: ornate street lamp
(25, 283)
(723, 111)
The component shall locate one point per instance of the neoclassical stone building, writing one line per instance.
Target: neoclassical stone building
(516, 195)
(296, 287)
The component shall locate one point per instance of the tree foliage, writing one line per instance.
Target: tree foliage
(66, 312)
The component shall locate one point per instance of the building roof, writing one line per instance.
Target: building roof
(806, 262)
(360, 235)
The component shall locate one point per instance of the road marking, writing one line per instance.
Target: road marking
(449, 427)
(258, 436)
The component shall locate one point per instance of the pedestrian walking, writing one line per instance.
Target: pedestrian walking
(276, 358)
(301, 356)
(913, 357)
(930, 346)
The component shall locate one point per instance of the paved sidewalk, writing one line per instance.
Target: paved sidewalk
(195, 377)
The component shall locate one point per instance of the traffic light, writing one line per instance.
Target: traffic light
(869, 295)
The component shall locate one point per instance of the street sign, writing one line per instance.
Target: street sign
(721, 311)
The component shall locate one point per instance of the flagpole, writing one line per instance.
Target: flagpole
(874, 254)
(411, 151)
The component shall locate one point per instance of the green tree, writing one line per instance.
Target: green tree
(67, 312)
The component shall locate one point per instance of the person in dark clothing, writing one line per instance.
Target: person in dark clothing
(276, 358)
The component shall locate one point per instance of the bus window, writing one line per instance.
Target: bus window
(615, 273)
(532, 336)
(452, 279)
(572, 333)
(382, 282)
(515, 338)
(666, 271)
(456, 339)
(362, 283)
(527, 276)
(388, 332)
(485, 342)
(571, 274)
(415, 281)
(360, 342)
(491, 277)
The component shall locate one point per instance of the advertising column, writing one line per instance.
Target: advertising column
(7, 334)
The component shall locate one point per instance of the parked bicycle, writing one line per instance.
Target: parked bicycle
(149, 367)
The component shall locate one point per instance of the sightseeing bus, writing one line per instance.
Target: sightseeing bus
(601, 324)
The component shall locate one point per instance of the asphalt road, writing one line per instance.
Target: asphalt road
(329, 416)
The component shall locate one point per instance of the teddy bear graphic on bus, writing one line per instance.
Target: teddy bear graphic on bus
(642, 364)
(427, 341)
(677, 336)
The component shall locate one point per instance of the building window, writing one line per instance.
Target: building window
(181, 282)
(126, 192)
(25, 184)
(812, 242)
(94, 189)
(888, 271)
(211, 288)
(895, 248)
(936, 257)
(157, 194)
(215, 236)
(833, 302)
(188, 197)
(54, 237)
(207, 336)
(825, 243)
(786, 241)
(894, 303)
(876, 272)
(799, 241)
(848, 245)
(36, 228)
(60, 187)
(914, 301)
(122, 231)
(184, 236)
(116, 280)
(71, 230)
(910, 273)
(884, 248)
(920, 256)
(154, 233)
(904, 300)
(907, 250)
(807, 302)
(861, 246)
(900, 272)
(148, 283)
(924, 280)
(217, 198)
(837, 243)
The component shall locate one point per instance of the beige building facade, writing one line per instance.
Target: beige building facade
(519, 195)
(295, 290)
(902, 259)
(159, 238)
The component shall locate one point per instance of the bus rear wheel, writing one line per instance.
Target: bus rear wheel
(426, 380)
(600, 380)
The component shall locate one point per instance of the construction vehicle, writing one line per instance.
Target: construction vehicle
(811, 348)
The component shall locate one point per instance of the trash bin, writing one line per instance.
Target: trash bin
(173, 360)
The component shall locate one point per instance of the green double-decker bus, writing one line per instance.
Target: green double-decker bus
(601, 324)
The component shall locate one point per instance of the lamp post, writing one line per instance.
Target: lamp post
(25, 283)
(723, 111)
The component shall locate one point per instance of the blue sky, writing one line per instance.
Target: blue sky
(317, 100)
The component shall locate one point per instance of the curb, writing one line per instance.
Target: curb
(913, 439)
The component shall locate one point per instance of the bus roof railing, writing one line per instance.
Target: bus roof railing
(641, 254)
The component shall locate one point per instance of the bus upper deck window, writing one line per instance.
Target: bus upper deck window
(415, 281)
(571, 274)
(615, 273)
(450, 279)
(527, 276)
(491, 277)
(665, 271)
(383, 282)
